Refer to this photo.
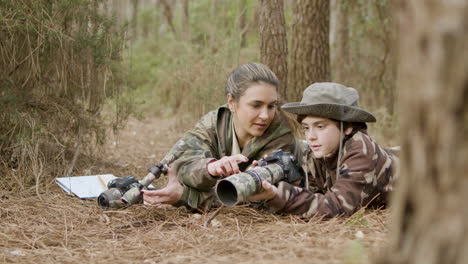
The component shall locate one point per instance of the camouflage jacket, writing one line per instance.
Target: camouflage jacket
(366, 176)
(212, 138)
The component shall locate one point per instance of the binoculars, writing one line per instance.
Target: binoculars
(126, 191)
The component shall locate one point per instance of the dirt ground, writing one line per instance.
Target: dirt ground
(56, 228)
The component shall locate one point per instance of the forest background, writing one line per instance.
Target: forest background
(72, 69)
(80, 78)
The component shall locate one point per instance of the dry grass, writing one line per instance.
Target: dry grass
(66, 230)
(52, 227)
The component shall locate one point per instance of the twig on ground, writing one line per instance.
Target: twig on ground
(212, 216)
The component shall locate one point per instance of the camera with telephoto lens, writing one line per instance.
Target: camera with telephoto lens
(279, 165)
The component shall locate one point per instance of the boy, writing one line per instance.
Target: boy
(345, 168)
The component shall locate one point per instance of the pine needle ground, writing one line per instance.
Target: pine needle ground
(52, 227)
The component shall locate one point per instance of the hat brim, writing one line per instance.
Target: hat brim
(333, 111)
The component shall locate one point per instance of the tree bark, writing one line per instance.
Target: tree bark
(387, 60)
(310, 48)
(273, 45)
(430, 220)
(340, 59)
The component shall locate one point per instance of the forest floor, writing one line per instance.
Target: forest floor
(55, 228)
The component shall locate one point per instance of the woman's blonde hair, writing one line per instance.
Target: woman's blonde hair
(246, 75)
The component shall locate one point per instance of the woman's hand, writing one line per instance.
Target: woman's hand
(226, 166)
(269, 192)
(167, 195)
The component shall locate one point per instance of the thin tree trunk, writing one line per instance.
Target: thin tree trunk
(185, 20)
(135, 4)
(243, 22)
(430, 220)
(273, 46)
(214, 18)
(310, 48)
(167, 11)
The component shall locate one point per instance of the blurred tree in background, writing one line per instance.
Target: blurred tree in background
(273, 42)
(310, 46)
(224, 34)
(363, 52)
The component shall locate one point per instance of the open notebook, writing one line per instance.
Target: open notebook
(85, 187)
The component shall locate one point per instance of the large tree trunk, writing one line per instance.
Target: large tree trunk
(430, 220)
(274, 46)
(310, 48)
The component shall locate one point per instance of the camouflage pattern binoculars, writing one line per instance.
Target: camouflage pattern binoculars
(126, 191)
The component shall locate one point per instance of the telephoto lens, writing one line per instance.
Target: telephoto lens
(236, 188)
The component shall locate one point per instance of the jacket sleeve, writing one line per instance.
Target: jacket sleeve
(200, 147)
(355, 187)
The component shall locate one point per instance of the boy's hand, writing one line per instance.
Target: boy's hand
(269, 192)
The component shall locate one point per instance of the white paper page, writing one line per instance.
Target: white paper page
(85, 187)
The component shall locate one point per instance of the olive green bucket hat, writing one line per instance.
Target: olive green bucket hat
(330, 100)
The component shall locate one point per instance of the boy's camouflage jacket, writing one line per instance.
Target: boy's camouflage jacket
(366, 176)
(212, 139)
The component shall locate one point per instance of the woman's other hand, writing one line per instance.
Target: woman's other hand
(167, 195)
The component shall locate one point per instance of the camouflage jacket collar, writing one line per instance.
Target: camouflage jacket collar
(331, 162)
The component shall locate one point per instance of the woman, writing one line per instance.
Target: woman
(227, 140)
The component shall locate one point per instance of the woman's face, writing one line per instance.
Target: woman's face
(254, 110)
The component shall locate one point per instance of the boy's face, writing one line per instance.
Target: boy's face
(322, 135)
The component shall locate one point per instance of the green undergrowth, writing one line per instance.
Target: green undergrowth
(180, 72)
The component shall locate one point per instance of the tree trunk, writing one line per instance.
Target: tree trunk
(135, 4)
(243, 22)
(167, 11)
(430, 220)
(185, 20)
(214, 19)
(310, 49)
(273, 46)
(340, 58)
(387, 60)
